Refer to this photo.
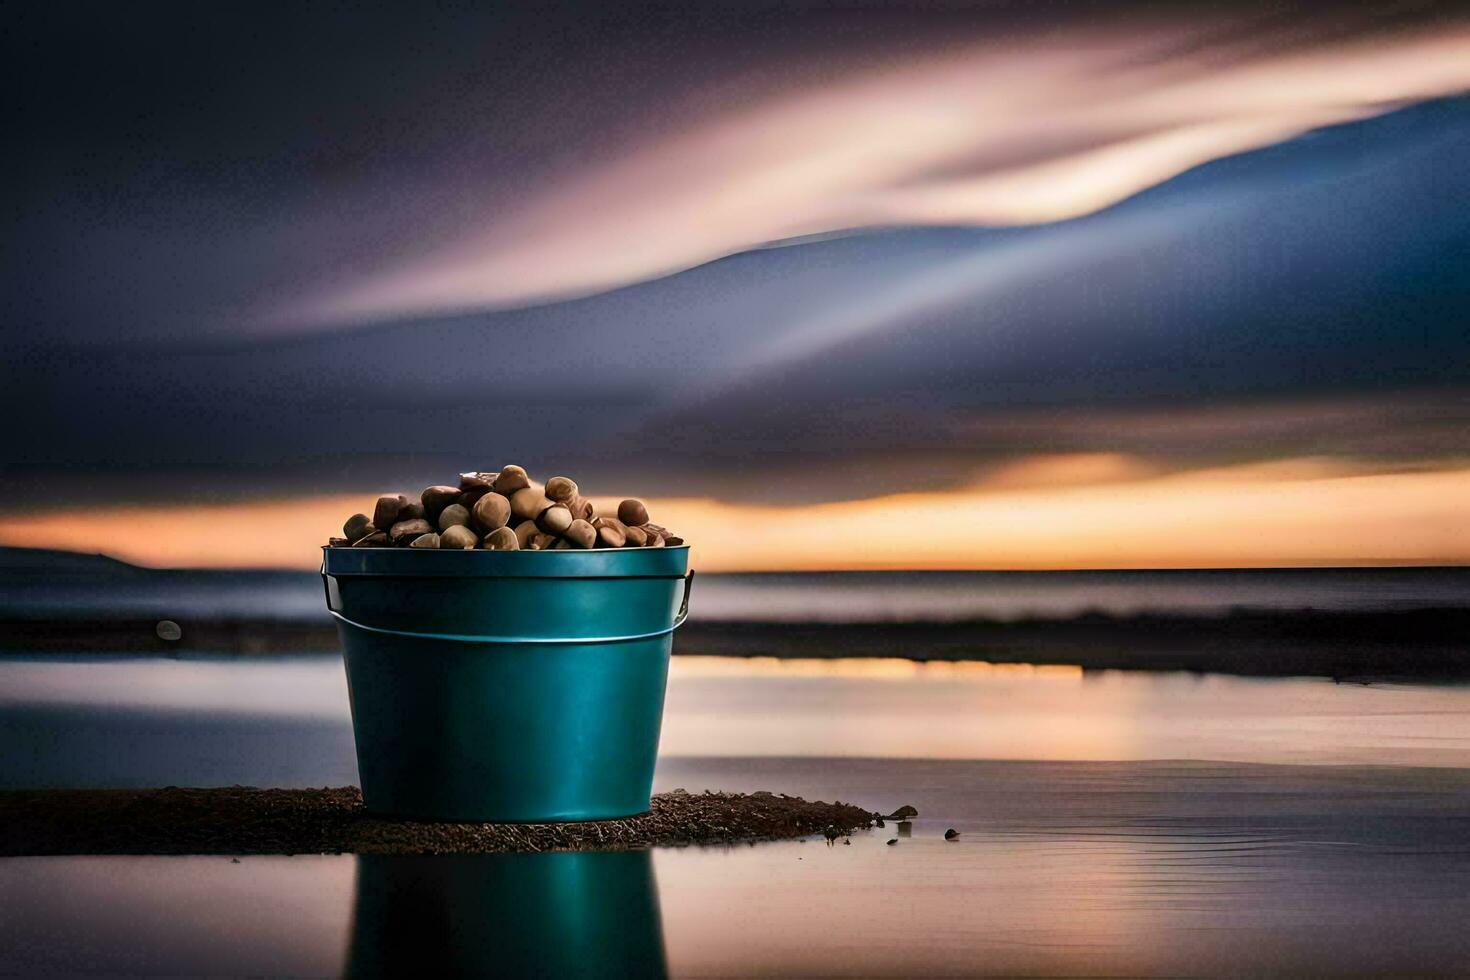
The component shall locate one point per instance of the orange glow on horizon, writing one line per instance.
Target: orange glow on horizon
(1033, 516)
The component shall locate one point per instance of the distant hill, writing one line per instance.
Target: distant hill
(54, 562)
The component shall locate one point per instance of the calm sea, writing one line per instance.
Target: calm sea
(810, 597)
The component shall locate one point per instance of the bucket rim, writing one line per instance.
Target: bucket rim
(666, 562)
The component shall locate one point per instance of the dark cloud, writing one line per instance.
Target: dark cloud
(1309, 299)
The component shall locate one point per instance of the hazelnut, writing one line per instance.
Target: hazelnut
(527, 502)
(501, 539)
(580, 533)
(457, 537)
(561, 489)
(358, 526)
(435, 499)
(632, 512)
(385, 512)
(525, 531)
(554, 519)
(511, 479)
(409, 509)
(405, 531)
(492, 511)
(452, 515)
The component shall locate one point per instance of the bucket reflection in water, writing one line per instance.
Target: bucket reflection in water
(564, 914)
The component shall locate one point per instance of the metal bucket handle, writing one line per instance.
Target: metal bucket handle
(329, 583)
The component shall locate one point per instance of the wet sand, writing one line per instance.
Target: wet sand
(245, 820)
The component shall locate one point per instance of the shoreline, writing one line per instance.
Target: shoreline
(243, 820)
(1421, 643)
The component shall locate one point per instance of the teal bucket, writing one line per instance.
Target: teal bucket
(507, 685)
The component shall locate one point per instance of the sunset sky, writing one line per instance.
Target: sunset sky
(951, 285)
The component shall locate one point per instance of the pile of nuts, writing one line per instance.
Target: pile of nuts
(504, 511)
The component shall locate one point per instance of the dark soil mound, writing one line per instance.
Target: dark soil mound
(245, 820)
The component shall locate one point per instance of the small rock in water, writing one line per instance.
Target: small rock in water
(169, 630)
(878, 822)
(892, 841)
(951, 834)
(903, 813)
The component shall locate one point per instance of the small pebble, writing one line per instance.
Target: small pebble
(458, 537)
(610, 536)
(951, 834)
(409, 509)
(635, 537)
(892, 841)
(632, 512)
(452, 515)
(378, 539)
(430, 540)
(501, 539)
(583, 508)
(542, 542)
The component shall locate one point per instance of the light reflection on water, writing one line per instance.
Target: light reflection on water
(1061, 869)
(286, 722)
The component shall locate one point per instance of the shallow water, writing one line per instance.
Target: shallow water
(1083, 849)
(285, 722)
(1061, 869)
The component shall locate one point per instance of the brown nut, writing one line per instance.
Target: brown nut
(452, 515)
(542, 542)
(655, 540)
(435, 499)
(457, 537)
(378, 539)
(511, 479)
(580, 533)
(492, 511)
(554, 519)
(525, 531)
(610, 536)
(468, 481)
(338, 543)
(561, 544)
(632, 512)
(385, 512)
(635, 537)
(430, 540)
(358, 526)
(526, 503)
(501, 539)
(673, 541)
(561, 489)
(405, 531)
(584, 508)
(409, 508)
